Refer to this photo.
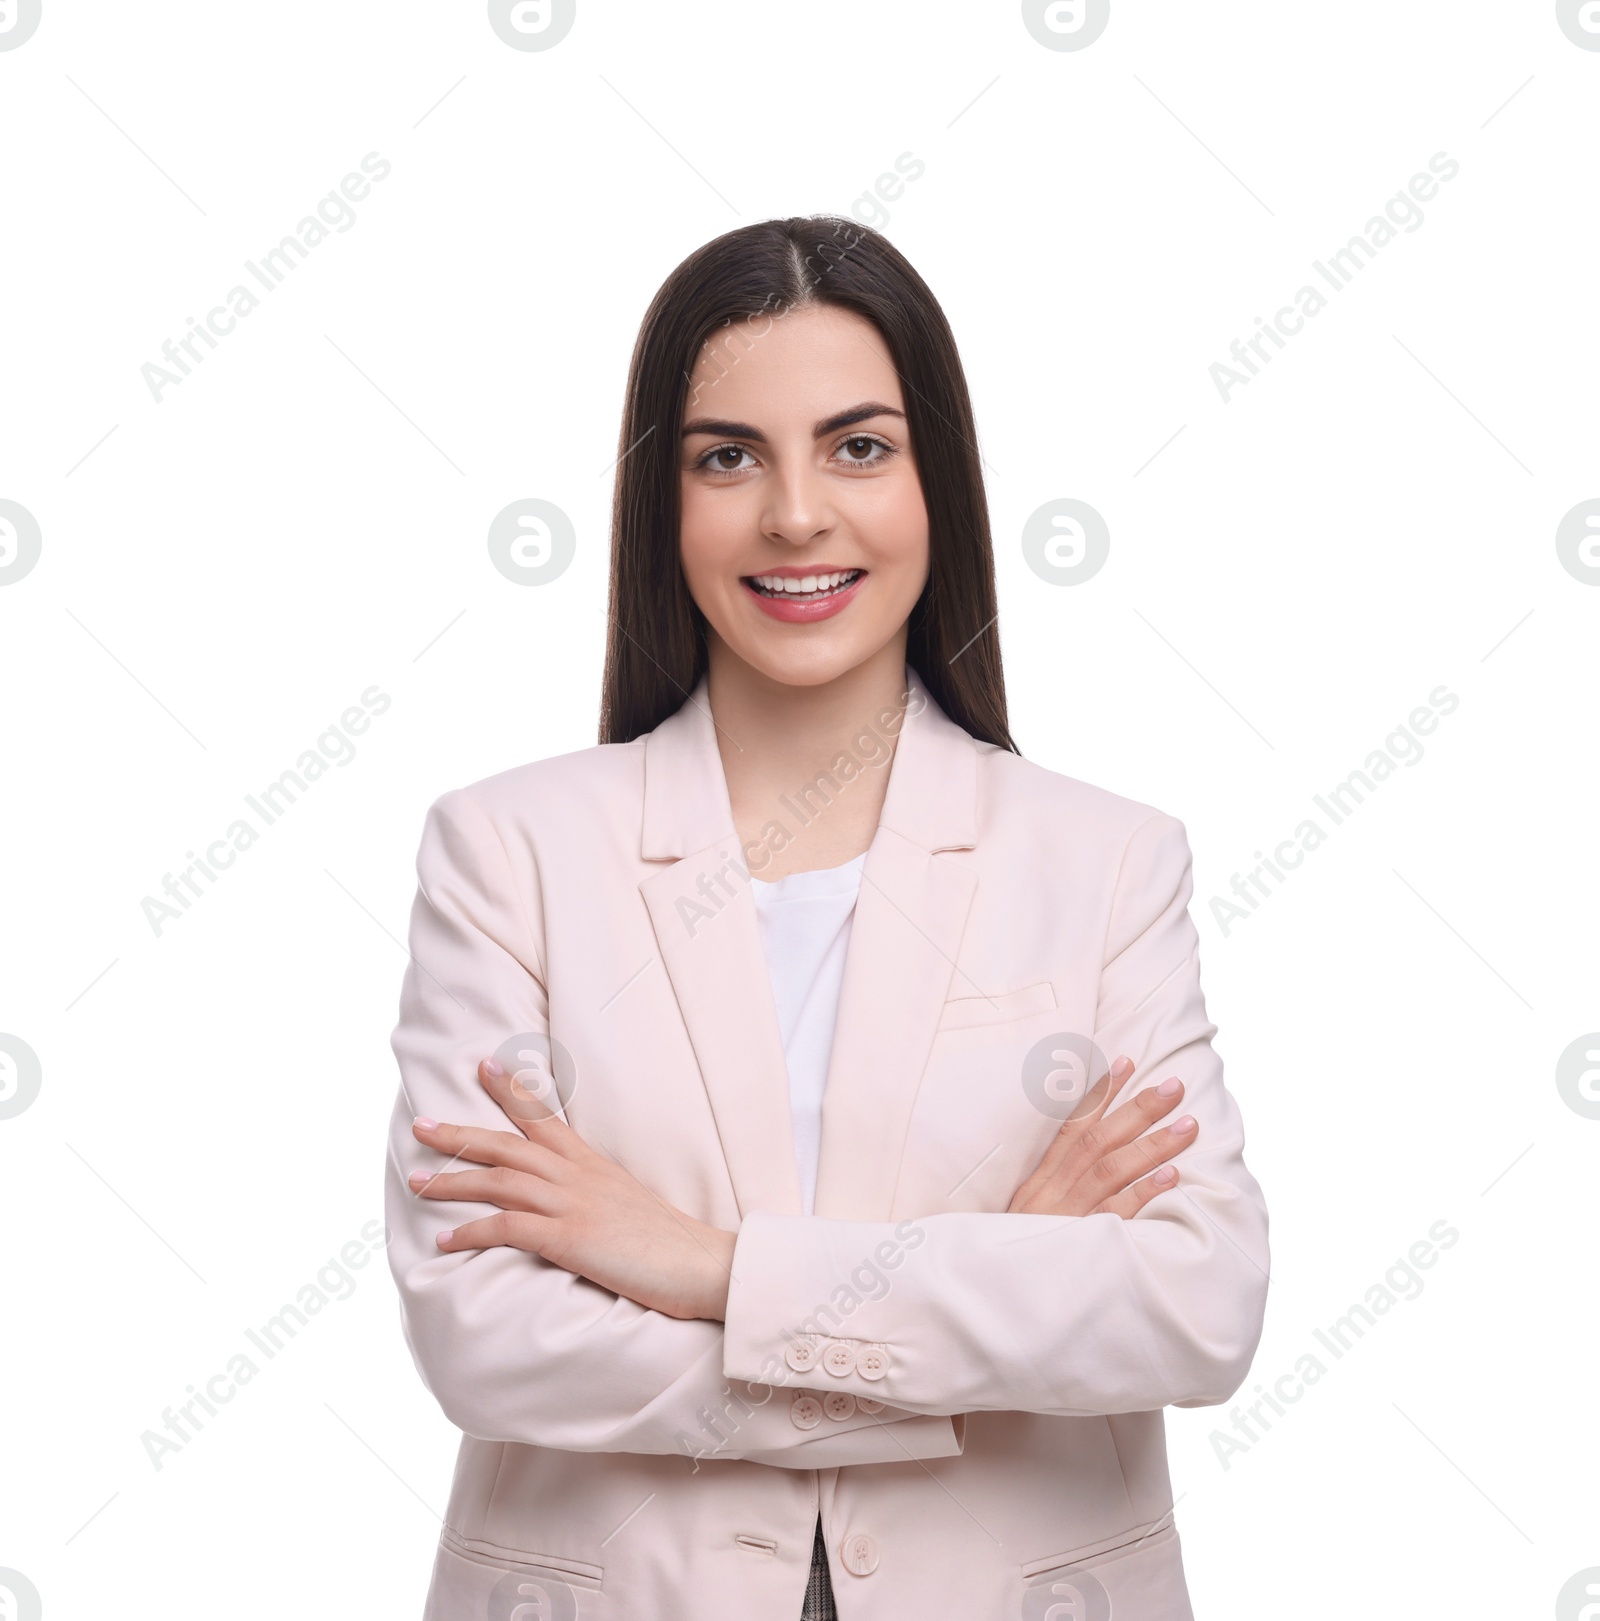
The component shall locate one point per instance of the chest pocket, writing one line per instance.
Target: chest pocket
(966, 1012)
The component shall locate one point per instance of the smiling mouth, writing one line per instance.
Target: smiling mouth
(803, 588)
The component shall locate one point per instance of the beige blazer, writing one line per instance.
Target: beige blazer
(971, 1399)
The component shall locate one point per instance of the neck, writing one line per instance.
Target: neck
(806, 766)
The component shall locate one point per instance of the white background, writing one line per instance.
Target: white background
(303, 517)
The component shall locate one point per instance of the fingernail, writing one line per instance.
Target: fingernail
(417, 1178)
(445, 1236)
(1184, 1126)
(425, 1123)
(1170, 1087)
(494, 1069)
(1122, 1069)
(1165, 1177)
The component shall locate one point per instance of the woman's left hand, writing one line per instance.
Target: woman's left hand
(562, 1200)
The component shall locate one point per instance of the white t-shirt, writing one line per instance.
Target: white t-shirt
(805, 931)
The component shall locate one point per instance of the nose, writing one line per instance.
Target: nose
(799, 507)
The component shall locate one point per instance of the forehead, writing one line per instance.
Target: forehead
(801, 366)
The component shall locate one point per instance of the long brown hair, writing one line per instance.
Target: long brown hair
(655, 640)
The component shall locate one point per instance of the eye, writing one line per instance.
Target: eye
(858, 447)
(721, 459)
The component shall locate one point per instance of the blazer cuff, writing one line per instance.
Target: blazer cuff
(792, 1321)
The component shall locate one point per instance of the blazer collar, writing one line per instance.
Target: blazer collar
(931, 799)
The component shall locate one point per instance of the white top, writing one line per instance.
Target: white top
(805, 931)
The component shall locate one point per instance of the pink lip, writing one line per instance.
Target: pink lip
(804, 613)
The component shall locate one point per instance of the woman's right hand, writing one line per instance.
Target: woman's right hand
(1099, 1162)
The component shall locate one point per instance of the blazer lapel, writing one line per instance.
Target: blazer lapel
(904, 942)
(703, 913)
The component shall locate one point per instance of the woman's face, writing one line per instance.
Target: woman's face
(804, 532)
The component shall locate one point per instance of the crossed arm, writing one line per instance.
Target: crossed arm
(559, 1199)
(584, 1312)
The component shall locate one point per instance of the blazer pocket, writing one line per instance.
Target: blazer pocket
(574, 1572)
(965, 1012)
(1156, 1534)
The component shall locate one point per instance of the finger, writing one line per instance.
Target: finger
(1121, 1126)
(1090, 1108)
(506, 1228)
(511, 1190)
(1131, 1201)
(530, 1098)
(484, 1147)
(1116, 1171)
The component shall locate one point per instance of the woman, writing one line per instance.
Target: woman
(788, 1191)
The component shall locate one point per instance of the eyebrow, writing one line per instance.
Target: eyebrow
(841, 419)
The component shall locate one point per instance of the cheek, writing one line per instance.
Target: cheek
(709, 534)
(900, 531)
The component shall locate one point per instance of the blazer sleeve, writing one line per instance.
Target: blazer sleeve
(1067, 1315)
(513, 1347)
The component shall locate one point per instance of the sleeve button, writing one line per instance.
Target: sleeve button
(872, 1362)
(839, 1358)
(806, 1412)
(839, 1405)
(801, 1355)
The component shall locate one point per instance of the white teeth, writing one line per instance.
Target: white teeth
(805, 584)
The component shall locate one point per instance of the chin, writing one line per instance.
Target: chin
(795, 666)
